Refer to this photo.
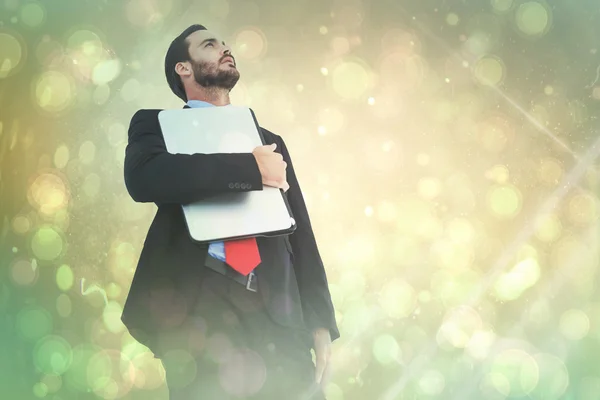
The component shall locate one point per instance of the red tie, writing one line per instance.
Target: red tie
(242, 255)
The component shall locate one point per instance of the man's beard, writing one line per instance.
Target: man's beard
(209, 77)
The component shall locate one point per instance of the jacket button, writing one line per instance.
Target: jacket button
(231, 186)
(237, 185)
(243, 186)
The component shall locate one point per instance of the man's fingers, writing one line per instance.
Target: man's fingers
(285, 187)
(320, 367)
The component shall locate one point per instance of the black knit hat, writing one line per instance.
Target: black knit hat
(178, 52)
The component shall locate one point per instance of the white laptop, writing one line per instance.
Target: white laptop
(226, 129)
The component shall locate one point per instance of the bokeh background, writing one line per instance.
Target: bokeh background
(448, 152)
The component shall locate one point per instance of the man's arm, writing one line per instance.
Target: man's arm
(312, 281)
(154, 175)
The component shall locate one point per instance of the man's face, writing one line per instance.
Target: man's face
(211, 61)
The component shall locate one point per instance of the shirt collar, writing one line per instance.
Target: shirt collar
(199, 104)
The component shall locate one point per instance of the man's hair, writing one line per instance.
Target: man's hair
(179, 52)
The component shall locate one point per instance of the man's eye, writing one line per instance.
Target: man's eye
(209, 44)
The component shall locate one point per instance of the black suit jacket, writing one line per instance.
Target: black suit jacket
(166, 282)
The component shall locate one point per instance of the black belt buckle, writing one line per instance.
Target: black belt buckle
(251, 284)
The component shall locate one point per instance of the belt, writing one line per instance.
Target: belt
(222, 268)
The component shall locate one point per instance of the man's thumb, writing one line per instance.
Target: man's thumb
(273, 146)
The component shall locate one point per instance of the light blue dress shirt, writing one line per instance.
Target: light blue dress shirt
(215, 249)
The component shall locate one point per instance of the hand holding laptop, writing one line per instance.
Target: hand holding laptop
(272, 167)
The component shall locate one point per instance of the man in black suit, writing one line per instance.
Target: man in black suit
(221, 333)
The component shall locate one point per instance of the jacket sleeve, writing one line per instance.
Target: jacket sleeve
(317, 306)
(154, 175)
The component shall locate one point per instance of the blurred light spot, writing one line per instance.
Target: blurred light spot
(504, 201)
(299, 87)
(574, 258)
(460, 230)
(432, 382)
(40, 389)
(52, 381)
(106, 71)
(548, 228)
(371, 101)
(454, 288)
(549, 90)
(352, 284)
(550, 171)
(452, 19)
(323, 30)
(588, 388)
(91, 185)
(87, 152)
(61, 156)
(340, 45)
(131, 90)
(243, 373)
(401, 72)
(77, 376)
(502, 5)
(64, 306)
(574, 324)
(12, 54)
(86, 41)
(350, 80)
(489, 71)
(423, 159)
(452, 255)
(386, 349)
(324, 71)
(113, 290)
(185, 364)
(583, 209)
(522, 276)
(459, 325)
(520, 370)
(23, 273)
(429, 188)
(553, 379)
(21, 224)
(596, 93)
(47, 244)
(369, 211)
(386, 211)
(322, 130)
(54, 92)
(498, 173)
(416, 216)
(424, 296)
(33, 14)
(33, 323)
(64, 277)
(478, 43)
(250, 44)
(219, 8)
(401, 42)
(480, 343)
(101, 94)
(498, 384)
(333, 392)
(533, 18)
(146, 13)
(48, 193)
(331, 119)
(111, 315)
(397, 298)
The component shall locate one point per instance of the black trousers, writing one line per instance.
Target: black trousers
(231, 349)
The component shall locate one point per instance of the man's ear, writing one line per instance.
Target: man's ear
(182, 68)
